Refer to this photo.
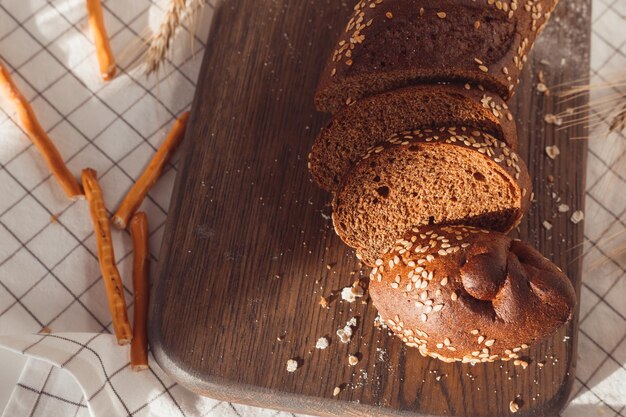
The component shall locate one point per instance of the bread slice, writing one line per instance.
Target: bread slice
(373, 119)
(463, 294)
(390, 44)
(448, 176)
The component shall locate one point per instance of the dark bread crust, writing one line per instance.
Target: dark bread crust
(373, 119)
(371, 224)
(390, 44)
(463, 294)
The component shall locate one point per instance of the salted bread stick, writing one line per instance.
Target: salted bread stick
(104, 53)
(106, 257)
(38, 136)
(141, 276)
(140, 189)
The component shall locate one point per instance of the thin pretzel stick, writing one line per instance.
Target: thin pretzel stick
(106, 257)
(101, 40)
(38, 136)
(141, 275)
(152, 173)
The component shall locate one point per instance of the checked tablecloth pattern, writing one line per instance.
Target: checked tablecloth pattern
(49, 277)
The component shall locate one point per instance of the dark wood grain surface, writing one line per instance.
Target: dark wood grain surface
(248, 239)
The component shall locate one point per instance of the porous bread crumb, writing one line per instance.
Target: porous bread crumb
(322, 343)
(336, 391)
(577, 217)
(563, 208)
(552, 151)
(350, 294)
(353, 360)
(292, 365)
(547, 225)
(514, 406)
(323, 302)
(345, 333)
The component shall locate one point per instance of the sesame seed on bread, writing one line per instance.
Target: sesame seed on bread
(458, 293)
(453, 175)
(388, 44)
(355, 128)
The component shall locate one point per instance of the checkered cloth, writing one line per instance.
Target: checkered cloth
(49, 276)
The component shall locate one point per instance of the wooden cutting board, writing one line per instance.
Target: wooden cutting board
(249, 247)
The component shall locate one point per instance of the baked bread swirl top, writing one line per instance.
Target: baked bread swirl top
(459, 293)
(388, 44)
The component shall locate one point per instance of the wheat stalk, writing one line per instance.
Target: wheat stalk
(609, 109)
(619, 121)
(178, 12)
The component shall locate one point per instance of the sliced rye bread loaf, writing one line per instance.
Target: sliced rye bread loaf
(389, 44)
(373, 119)
(448, 176)
(463, 294)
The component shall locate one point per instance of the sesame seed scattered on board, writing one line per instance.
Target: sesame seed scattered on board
(552, 151)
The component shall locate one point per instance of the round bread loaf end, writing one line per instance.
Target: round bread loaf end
(426, 177)
(389, 44)
(373, 119)
(463, 294)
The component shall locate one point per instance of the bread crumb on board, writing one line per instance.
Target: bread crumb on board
(345, 333)
(577, 217)
(514, 406)
(292, 365)
(353, 360)
(350, 294)
(553, 120)
(322, 343)
(336, 391)
(563, 208)
(323, 302)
